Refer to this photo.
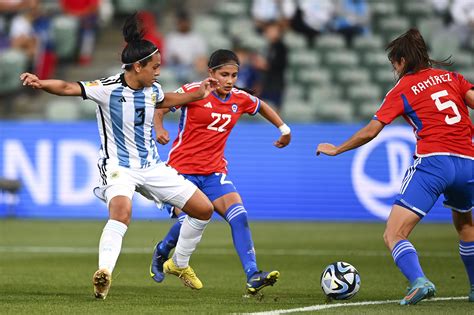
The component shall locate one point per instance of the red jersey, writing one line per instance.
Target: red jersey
(204, 128)
(432, 101)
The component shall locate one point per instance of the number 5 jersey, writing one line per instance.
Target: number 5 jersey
(432, 101)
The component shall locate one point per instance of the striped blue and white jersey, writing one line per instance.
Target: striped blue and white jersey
(125, 120)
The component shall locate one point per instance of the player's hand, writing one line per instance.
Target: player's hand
(326, 148)
(162, 136)
(207, 86)
(283, 141)
(31, 80)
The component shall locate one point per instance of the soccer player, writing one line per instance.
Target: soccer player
(198, 154)
(129, 158)
(435, 103)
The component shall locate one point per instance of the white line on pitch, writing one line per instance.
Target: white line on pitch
(327, 306)
(214, 251)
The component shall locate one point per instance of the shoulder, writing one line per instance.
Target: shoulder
(243, 95)
(157, 85)
(188, 87)
(112, 80)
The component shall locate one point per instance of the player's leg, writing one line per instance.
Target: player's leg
(228, 203)
(420, 189)
(465, 229)
(164, 183)
(163, 248)
(110, 244)
(199, 210)
(399, 226)
(230, 207)
(459, 197)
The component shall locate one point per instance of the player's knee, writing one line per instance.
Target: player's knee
(386, 238)
(120, 209)
(389, 238)
(199, 207)
(205, 212)
(466, 232)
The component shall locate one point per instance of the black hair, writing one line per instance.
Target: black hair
(221, 57)
(137, 47)
(412, 47)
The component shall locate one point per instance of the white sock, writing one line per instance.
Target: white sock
(111, 244)
(189, 236)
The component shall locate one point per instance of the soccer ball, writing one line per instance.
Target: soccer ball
(340, 281)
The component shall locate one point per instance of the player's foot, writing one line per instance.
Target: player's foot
(260, 280)
(471, 294)
(186, 274)
(421, 289)
(156, 266)
(102, 279)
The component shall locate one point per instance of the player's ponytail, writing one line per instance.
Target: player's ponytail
(412, 47)
(137, 48)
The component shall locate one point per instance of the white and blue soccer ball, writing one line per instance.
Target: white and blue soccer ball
(340, 281)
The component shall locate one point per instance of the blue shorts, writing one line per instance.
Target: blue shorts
(429, 177)
(213, 186)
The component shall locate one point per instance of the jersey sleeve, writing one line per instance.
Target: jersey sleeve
(391, 108)
(251, 104)
(464, 84)
(159, 94)
(182, 89)
(93, 90)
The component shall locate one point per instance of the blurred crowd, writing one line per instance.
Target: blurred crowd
(30, 25)
(40, 30)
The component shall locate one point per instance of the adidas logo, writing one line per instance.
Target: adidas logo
(122, 100)
(208, 105)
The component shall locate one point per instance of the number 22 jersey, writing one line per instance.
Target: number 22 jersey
(432, 101)
(204, 128)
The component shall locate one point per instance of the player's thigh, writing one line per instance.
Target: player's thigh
(422, 185)
(116, 181)
(217, 185)
(163, 183)
(459, 194)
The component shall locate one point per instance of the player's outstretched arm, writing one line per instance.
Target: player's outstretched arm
(175, 99)
(361, 137)
(57, 87)
(269, 114)
(162, 135)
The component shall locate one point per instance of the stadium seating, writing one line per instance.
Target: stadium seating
(337, 110)
(12, 64)
(364, 93)
(328, 64)
(65, 33)
(127, 6)
(294, 41)
(363, 44)
(328, 43)
(63, 109)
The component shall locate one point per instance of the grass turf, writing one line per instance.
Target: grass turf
(47, 267)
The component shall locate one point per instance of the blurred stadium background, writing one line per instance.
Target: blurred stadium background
(332, 85)
(335, 73)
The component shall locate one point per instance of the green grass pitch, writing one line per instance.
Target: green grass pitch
(46, 268)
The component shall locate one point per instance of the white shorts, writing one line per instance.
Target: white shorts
(160, 183)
